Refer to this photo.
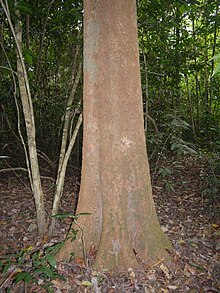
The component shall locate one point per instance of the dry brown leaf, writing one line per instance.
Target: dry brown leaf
(165, 270)
(188, 270)
(172, 287)
(131, 276)
(92, 251)
(60, 284)
(78, 282)
(80, 261)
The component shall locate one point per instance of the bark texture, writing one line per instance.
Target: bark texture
(115, 185)
(30, 129)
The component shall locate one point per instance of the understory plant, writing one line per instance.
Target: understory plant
(171, 139)
(211, 189)
(40, 266)
(28, 266)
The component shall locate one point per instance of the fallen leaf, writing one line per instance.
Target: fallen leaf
(217, 247)
(3, 223)
(87, 284)
(165, 228)
(78, 282)
(165, 270)
(131, 275)
(80, 261)
(188, 270)
(92, 251)
(172, 287)
(28, 248)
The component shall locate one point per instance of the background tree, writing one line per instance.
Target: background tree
(27, 106)
(69, 134)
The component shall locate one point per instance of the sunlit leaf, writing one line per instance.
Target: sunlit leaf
(216, 70)
(52, 261)
(183, 8)
(87, 284)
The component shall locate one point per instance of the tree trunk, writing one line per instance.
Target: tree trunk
(29, 123)
(190, 105)
(115, 185)
(62, 173)
(213, 54)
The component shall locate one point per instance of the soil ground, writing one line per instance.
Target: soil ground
(188, 216)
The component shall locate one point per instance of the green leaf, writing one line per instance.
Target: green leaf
(52, 261)
(164, 172)
(28, 56)
(35, 256)
(216, 57)
(64, 216)
(28, 278)
(183, 8)
(54, 248)
(83, 214)
(216, 70)
(193, 7)
(39, 262)
(70, 215)
(173, 146)
(180, 123)
(24, 8)
(48, 289)
(44, 270)
(7, 266)
(56, 28)
(23, 276)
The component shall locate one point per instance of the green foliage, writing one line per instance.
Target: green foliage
(70, 215)
(165, 174)
(181, 147)
(52, 50)
(28, 266)
(169, 140)
(212, 181)
(72, 233)
(177, 39)
(217, 66)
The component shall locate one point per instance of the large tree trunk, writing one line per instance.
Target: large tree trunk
(115, 185)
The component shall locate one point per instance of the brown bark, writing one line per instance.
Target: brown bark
(213, 54)
(31, 135)
(115, 185)
(190, 106)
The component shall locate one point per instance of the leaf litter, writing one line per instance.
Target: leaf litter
(185, 215)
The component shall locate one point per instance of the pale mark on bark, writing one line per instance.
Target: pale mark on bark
(91, 49)
(116, 248)
(126, 143)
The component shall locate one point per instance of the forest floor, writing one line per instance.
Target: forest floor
(186, 215)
